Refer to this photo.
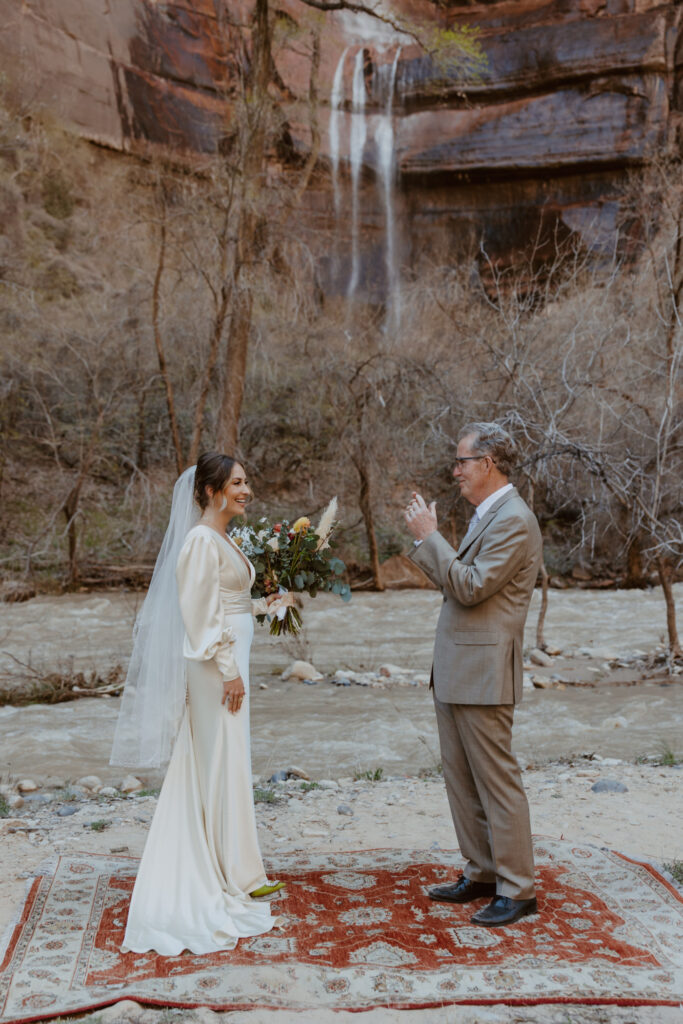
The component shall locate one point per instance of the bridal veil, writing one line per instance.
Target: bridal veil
(154, 694)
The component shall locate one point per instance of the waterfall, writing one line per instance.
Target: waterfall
(384, 87)
(336, 102)
(386, 158)
(357, 145)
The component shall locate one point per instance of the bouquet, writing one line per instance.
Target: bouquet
(294, 557)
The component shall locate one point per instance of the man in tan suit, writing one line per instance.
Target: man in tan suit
(477, 671)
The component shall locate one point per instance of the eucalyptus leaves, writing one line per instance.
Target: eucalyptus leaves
(293, 557)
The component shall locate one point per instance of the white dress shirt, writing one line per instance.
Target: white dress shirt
(483, 508)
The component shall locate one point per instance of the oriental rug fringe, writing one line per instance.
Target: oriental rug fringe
(360, 933)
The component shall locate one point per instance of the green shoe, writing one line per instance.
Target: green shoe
(267, 890)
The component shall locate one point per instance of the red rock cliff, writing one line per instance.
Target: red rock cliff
(576, 92)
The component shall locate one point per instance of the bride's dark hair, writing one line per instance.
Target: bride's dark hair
(213, 470)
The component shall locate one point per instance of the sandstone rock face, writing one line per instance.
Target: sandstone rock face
(576, 92)
(399, 573)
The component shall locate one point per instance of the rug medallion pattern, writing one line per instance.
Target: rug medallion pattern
(360, 932)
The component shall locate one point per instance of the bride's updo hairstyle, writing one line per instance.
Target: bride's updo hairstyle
(213, 470)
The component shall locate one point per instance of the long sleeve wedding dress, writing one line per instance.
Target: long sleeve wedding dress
(202, 856)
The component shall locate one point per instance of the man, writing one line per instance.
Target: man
(477, 671)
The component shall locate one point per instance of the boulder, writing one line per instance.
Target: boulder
(131, 784)
(301, 670)
(609, 786)
(553, 650)
(539, 657)
(91, 782)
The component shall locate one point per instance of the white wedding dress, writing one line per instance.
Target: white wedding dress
(202, 857)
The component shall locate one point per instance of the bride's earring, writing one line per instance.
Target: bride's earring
(224, 504)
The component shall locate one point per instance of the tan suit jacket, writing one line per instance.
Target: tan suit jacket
(487, 586)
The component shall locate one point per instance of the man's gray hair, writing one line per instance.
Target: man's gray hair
(490, 439)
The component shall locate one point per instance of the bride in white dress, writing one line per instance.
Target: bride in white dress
(201, 864)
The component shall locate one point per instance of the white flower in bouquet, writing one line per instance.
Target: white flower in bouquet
(242, 536)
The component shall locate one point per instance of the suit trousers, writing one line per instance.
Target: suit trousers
(486, 796)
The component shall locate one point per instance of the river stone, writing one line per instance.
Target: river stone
(108, 791)
(15, 802)
(121, 1013)
(77, 790)
(27, 786)
(130, 784)
(328, 784)
(67, 810)
(301, 670)
(91, 782)
(389, 670)
(203, 1015)
(539, 657)
(347, 673)
(609, 786)
(16, 592)
(280, 776)
(345, 809)
(11, 823)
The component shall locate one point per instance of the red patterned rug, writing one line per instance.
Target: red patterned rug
(360, 933)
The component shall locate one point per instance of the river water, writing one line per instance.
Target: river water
(331, 731)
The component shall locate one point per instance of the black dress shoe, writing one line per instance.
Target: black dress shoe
(462, 891)
(502, 910)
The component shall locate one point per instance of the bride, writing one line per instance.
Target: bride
(189, 675)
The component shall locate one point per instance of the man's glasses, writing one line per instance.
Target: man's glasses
(468, 458)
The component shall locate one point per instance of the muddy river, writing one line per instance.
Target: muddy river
(332, 731)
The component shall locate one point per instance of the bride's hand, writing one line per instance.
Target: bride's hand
(277, 601)
(233, 694)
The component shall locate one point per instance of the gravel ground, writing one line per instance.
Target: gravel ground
(644, 820)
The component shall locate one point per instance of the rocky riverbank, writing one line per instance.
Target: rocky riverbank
(364, 735)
